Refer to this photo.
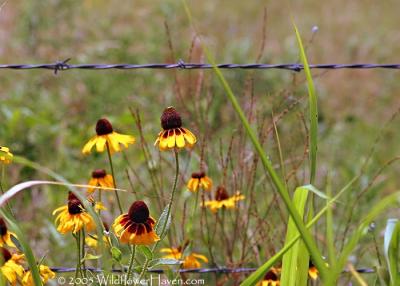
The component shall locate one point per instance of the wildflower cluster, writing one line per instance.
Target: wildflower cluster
(134, 227)
(12, 266)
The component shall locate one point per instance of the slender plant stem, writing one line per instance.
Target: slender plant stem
(131, 261)
(190, 230)
(164, 227)
(78, 258)
(144, 269)
(83, 252)
(100, 193)
(113, 176)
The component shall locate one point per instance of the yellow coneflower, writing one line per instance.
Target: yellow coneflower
(73, 216)
(12, 269)
(100, 178)
(312, 271)
(45, 275)
(222, 200)
(199, 180)
(136, 226)
(173, 135)
(270, 279)
(189, 262)
(5, 155)
(107, 135)
(5, 235)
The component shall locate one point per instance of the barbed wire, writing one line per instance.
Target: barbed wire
(63, 66)
(194, 270)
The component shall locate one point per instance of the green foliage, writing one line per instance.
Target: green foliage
(391, 250)
(295, 261)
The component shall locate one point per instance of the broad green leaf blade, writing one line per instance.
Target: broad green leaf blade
(313, 105)
(353, 240)
(145, 251)
(163, 261)
(161, 222)
(116, 254)
(260, 272)
(30, 258)
(298, 255)
(391, 249)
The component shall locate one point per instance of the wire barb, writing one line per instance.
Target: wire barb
(180, 64)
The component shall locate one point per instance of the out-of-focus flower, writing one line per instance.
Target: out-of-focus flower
(199, 180)
(312, 271)
(73, 216)
(5, 155)
(222, 200)
(107, 136)
(93, 241)
(5, 235)
(271, 278)
(189, 262)
(174, 135)
(136, 226)
(100, 179)
(45, 275)
(12, 269)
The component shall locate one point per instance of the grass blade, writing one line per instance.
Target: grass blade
(379, 208)
(313, 105)
(260, 272)
(391, 248)
(297, 257)
(29, 256)
(277, 181)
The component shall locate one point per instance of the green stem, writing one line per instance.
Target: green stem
(283, 192)
(144, 269)
(78, 262)
(113, 177)
(83, 252)
(305, 233)
(190, 230)
(171, 199)
(100, 200)
(131, 261)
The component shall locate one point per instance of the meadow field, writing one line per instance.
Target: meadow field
(227, 155)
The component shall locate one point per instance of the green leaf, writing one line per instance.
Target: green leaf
(16, 242)
(314, 190)
(164, 261)
(30, 258)
(116, 254)
(391, 249)
(297, 257)
(145, 251)
(260, 272)
(161, 222)
(89, 256)
(353, 240)
(313, 105)
(9, 194)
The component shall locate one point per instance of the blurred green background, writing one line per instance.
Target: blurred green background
(47, 118)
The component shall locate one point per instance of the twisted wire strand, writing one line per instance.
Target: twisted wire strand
(63, 66)
(196, 270)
